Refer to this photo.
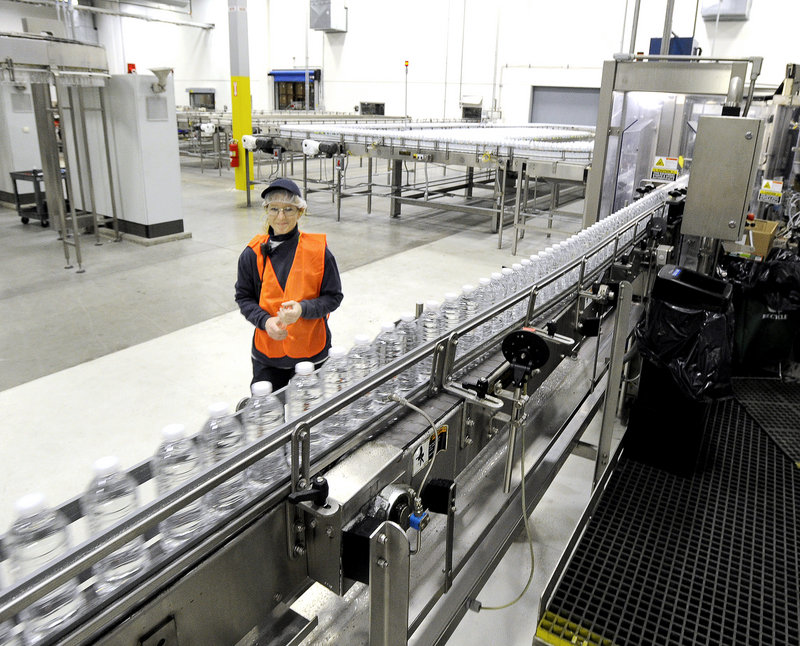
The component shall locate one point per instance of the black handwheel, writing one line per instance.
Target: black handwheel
(25, 220)
(45, 223)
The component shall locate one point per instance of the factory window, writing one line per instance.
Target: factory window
(372, 108)
(290, 89)
(574, 106)
(202, 98)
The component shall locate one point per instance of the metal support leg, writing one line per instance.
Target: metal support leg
(470, 181)
(397, 182)
(339, 174)
(624, 300)
(100, 93)
(500, 206)
(369, 185)
(305, 177)
(389, 570)
(247, 174)
(516, 210)
(76, 234)
(89, 171)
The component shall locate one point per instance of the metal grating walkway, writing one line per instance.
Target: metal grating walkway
(707, 559)
(775, 405)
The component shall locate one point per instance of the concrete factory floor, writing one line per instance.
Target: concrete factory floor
(96, 363)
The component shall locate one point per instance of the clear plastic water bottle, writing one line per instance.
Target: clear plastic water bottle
(178, 460)
(111, 496)
(387, 347)
(7, 636)
(335, 376)
(261, 416)
(520, 282)
(222, 436)
(431, 328)
(452, 313)
(483, 296)
(408, 333)
(38, 536)
(510, 284)
(498, 291)
(304, 391)
(363, 363)
(470, 305)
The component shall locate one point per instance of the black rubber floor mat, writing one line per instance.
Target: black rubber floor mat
(775, 405)
(712, 558)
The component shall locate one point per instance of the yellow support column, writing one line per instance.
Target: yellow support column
(242, 124)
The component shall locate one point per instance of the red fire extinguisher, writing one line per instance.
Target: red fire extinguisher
(233, 150)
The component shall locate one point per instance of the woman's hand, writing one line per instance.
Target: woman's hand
(275, 328)
(289, 313)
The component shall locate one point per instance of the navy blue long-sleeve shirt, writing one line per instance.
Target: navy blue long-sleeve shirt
(248, 292)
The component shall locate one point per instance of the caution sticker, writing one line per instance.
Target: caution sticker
(427, 446)
(665, 168)
(771, 191)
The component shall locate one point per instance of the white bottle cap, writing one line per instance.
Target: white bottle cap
(387, 327)
(516, 266)
(304, 368)
(407, 317)
(337, 352)
(524, 262)
(361, 339)
(485, 281)
(451, 297)
(172, 432)
(261, 388)
(506, 271)
(106, 466)
(468, 289)
(30, 505)
(218, 409)
(432, 305)
(496, 275)
(535, 257)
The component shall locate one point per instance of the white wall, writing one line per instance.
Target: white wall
(540, 42)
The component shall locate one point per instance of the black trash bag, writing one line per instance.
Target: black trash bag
(768, 314)
(777, 282)
(694, 345)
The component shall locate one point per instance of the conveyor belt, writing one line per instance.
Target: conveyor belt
(711, 558)
(775, 405)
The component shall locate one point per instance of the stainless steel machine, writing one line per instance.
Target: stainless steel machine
(404, 518)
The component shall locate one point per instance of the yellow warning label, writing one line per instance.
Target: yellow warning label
(664, 168)
(660, 162)
(766, 185)
(771, 191)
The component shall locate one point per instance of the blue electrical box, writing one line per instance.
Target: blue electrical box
(677, 46)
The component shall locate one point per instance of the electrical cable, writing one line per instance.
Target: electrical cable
(527, 531)
(413, 407)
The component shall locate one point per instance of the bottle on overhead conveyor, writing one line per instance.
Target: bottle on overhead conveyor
(408, 333)
(262, 415)
(363, 363)
(336, 376)
(111, 496)
(387, 347)
(222, 436)
(37, 537)
(177, 461)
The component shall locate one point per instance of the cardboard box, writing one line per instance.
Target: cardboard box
(763, 235)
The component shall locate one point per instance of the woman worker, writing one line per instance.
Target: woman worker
(287, 285)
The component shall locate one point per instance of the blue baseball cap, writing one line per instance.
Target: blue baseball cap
(282, 184)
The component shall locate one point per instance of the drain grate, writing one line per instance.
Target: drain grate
(708, 559)
(775, 405)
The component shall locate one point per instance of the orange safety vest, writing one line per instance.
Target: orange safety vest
(306, 337)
